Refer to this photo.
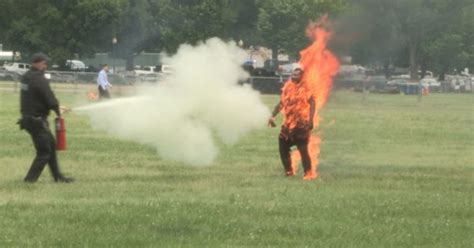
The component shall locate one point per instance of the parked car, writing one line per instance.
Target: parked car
(165, 69)
(431, 83)
(146, 70)
(9, 75)
(271, 68)
(287, 69)
(18, 68)
(75, 65)
(151, 78)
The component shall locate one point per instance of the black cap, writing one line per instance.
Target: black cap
(38, 57)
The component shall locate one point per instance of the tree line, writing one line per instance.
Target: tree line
(419, 34)
(426, 34)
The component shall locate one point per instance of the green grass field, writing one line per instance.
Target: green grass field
(394, 173)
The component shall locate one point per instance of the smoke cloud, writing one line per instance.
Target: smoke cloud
(185, 114)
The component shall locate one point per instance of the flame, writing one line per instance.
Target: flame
(320, 66)
(92, 96)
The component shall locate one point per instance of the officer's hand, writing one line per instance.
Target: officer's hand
(64, 109)
(271, 122)
(310, 125)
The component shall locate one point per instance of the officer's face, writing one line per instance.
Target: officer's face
(41, 66)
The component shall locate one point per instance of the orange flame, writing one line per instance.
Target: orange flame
(92, 96)
(320, 66)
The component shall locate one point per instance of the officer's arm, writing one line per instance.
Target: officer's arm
(47, 95)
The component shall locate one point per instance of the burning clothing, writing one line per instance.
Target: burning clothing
(296, 104)
(303, 97)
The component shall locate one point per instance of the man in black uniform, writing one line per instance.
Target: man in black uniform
(36, 101)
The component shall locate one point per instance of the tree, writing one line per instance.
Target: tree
(281, 23)
(245, 25)
(190, 21)
(428, 30)
(134, 29)
(61, 29)
(162, 25)
(451, 45)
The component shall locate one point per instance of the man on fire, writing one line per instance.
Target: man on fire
(297, 104)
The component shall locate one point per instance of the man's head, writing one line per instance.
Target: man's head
(105, 67)
(39, 61)
(296, 75)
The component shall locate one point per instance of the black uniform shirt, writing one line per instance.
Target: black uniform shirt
(36, 97)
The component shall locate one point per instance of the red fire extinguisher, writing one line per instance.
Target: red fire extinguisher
(60, 134)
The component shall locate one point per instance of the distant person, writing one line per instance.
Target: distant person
(462, 85)
(457, 85)
(36, 101)
(103, 83)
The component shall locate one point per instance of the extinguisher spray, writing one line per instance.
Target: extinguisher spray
(60, 134)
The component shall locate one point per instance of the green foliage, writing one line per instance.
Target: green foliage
(281, 23)
(451, 46)
(162, 25)
(435, 33)
(59, 28)
(193, 21)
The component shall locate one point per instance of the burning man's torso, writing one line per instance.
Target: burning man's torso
(295, 105)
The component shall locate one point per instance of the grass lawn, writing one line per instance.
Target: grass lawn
(394, 173)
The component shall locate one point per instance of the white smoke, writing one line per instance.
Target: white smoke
(199, 102)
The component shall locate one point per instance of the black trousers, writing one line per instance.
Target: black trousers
(45, 145)
(285, 152)
(103, 93)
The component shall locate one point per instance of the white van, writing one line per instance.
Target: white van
(19, 68)
(75, 65)
(146, 70)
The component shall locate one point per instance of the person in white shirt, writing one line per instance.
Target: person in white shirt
(103, 82)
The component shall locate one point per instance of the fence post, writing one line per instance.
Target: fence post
(15, 85)
(364, 91)
(420, 91)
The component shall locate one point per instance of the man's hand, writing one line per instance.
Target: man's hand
(271, 122)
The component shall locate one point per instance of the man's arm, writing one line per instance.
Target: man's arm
(107, 80)
(276, 110)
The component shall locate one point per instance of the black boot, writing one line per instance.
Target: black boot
(64, 179)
